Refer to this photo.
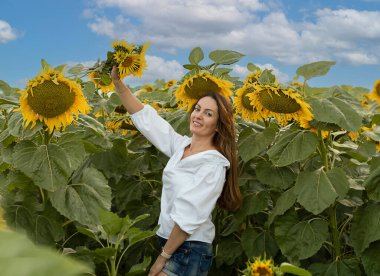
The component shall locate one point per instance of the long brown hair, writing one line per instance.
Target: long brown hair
(225, 142)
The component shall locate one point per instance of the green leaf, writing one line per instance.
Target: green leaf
(251, 67)
(293, 146)
(19, 256)
(251, 143)
(315, 191)
(135, 235)
(295, 270)
(253, 204)
(76, 70)
(7, 89)
(300, 240)
(345, 267)
(225, 57)
(365, 226)
(258, 244)
(45, 65)
(196, 56)
(5, 100)
(277, 177)
(372, 185)
(48, 165)
(370, 259)
(228, 250)
(336, 111)
(111, 222)
(83, 201)
(140, 268)
(338, 179)
(190, 66)
(16, 127)
(284, 202)
(267, 77)
(315, 69)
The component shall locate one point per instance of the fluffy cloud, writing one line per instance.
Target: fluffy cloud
(248, 26)
(7, 33)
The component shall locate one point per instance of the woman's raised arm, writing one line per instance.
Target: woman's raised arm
(129, 100)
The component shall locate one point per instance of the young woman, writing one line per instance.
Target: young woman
(201, 171)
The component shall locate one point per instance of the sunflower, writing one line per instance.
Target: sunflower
(132, 64)
(52, 99)
(170, 84)
(375, 95)
(253, 77)
(261, 268)
(121, 124)
(95, 78)
(197, 86)
(243, 105)
(353, 135)
(122, 46)
(283, 104)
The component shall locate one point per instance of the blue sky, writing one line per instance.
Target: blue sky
(279, 34)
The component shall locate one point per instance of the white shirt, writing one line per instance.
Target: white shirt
(191, 186)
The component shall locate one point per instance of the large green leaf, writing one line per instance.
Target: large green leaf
(315, 69)
(336, 111)
(365, 226)
(228, 250)
(253, 203)
(141, 268)
(370, 259)
(315, 191)
(372, 185)
(6, 88)
(83, 201)
(299, 240)
(20, 257)
(225, 57)
(8, 100)
(258, 244)
(277, 177)
(16, 127)
(345, 267)
(196, 56)
(251, 143)
(48, 165)
(283, 203)
(293, 146)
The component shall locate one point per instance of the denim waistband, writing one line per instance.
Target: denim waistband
(190, 244)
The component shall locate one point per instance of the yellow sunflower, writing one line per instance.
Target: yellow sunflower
(253, 77)
(132, 64)
(369, 133)
(197, 86)
(243, 105)
(52, 99)
(353, 135)
(283, 104)
(376, 91)
(95, 78)
(170, 84)
(123, 46)
(261, 268)
(121, 124)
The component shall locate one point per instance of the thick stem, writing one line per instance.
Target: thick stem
(322, 147)
(113, 266)
(334, 232)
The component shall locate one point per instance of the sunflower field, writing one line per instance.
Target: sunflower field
(78, 178)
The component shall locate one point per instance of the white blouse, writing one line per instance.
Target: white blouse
(191, 186)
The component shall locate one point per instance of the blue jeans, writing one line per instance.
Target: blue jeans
(192, 258)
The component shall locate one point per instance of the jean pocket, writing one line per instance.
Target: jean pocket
(181, 255)
(205, 264)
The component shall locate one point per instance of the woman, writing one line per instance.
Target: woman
(201, 171)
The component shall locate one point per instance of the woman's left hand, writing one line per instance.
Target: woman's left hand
(157, 266)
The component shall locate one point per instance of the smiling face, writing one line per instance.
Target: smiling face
(204, 118)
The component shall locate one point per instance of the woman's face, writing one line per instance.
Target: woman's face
(204, 118)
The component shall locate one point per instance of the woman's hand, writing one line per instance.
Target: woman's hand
(115, 74)
(157, 266)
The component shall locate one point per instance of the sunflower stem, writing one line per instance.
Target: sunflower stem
(47, 136)
(334, 232)
(42, 195)
(323, 151)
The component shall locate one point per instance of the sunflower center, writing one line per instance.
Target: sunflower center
(246, 102)
(280, 103)
(201, 87)
(50, 99)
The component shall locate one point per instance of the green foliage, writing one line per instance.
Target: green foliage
(315, 69)
(20, 257)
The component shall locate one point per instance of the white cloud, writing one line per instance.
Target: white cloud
(7, 33)
(158, 68)
(252, 27)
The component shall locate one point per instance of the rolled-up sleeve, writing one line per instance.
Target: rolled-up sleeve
(194, 203)
(158, 131)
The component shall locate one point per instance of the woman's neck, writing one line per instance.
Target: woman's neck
(200, 144)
